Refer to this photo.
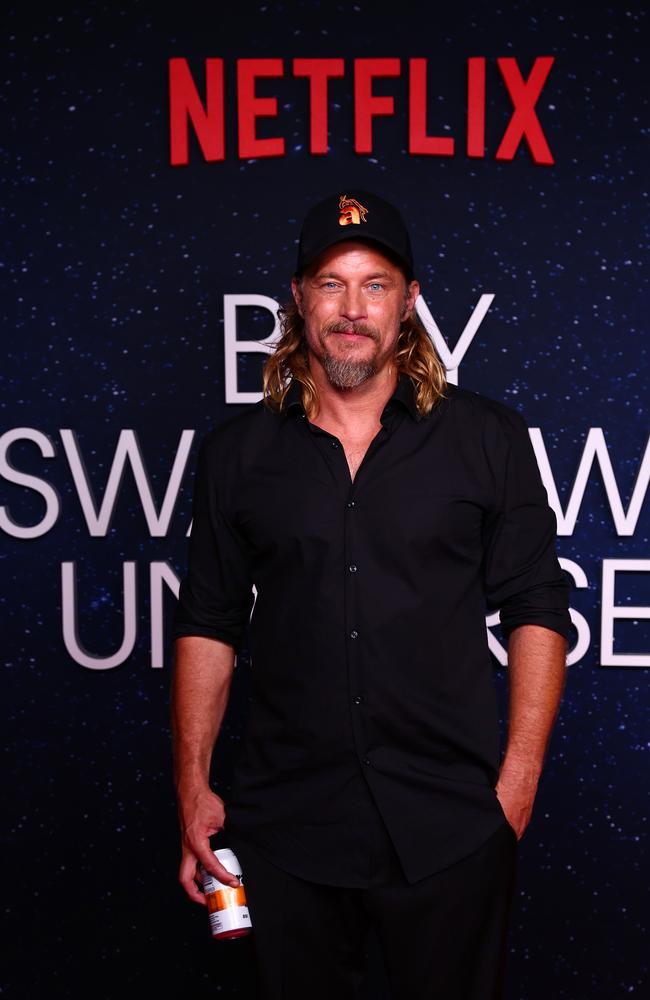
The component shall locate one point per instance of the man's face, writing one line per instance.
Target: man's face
(353, 300)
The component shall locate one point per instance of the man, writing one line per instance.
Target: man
(378, 511)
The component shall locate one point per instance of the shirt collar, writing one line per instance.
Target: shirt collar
(403, 395)
(293, 398)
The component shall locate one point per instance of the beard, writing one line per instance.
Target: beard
(346, 373)
(343, 372)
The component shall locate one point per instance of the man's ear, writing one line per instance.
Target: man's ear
(412, 292)
(297, 294)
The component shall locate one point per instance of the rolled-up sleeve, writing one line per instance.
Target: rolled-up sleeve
(523, 577)
(216, 596)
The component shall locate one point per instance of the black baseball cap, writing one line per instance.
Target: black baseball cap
(354, 215)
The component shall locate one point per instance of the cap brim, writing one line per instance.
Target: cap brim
(345, 237)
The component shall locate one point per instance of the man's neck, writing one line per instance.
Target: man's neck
(353, 409)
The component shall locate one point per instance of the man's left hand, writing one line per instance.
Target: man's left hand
(516, 798)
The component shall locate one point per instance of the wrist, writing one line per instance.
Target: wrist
(523, 773)
(192, 778)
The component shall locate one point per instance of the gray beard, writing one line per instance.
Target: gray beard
(344, 374)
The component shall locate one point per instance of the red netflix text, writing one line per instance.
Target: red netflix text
(206, 114)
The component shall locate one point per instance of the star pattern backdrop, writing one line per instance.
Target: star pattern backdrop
(114, 268)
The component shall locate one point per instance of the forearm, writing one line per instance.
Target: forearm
(201, 686)
(536, 670)
(202, 675)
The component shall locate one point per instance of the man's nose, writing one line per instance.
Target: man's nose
(353, 304)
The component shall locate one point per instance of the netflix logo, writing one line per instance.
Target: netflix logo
(200, 105)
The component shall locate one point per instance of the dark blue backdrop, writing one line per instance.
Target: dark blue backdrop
(114, 268)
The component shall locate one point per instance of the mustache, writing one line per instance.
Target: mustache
(353, 326)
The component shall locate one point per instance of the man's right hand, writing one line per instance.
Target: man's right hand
(201, 814)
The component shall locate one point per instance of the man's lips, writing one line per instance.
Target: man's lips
(351, 333)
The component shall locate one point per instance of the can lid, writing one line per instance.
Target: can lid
(224, 854)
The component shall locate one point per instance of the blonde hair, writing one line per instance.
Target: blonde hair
(415, 355)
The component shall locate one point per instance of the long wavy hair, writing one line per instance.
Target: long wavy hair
(415, 355)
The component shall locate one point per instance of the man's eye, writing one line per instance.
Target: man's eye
(329, 284)
(376, 286)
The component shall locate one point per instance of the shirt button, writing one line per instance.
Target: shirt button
(367, 761)
(351, 503)
(358, 700)
(354, 633)
(335, 444)
(353, 568)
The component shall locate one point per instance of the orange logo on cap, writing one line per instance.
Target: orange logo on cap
(352, 211)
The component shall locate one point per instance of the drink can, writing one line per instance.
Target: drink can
(227, 909)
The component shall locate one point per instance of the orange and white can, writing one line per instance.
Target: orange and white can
(227, 909)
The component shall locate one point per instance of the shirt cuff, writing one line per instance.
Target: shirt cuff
(546, 606)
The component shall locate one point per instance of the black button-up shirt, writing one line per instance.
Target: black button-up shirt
(370, 665)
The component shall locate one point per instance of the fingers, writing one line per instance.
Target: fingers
(202, 815)
(187, 876)
(214, 867)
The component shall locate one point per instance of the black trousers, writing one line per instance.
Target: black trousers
(443, 938)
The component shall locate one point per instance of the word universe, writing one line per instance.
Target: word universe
(200, 105)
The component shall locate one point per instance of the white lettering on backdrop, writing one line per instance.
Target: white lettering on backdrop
(98, 512)
(233, 346)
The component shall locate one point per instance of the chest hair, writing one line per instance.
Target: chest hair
(355, 450)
